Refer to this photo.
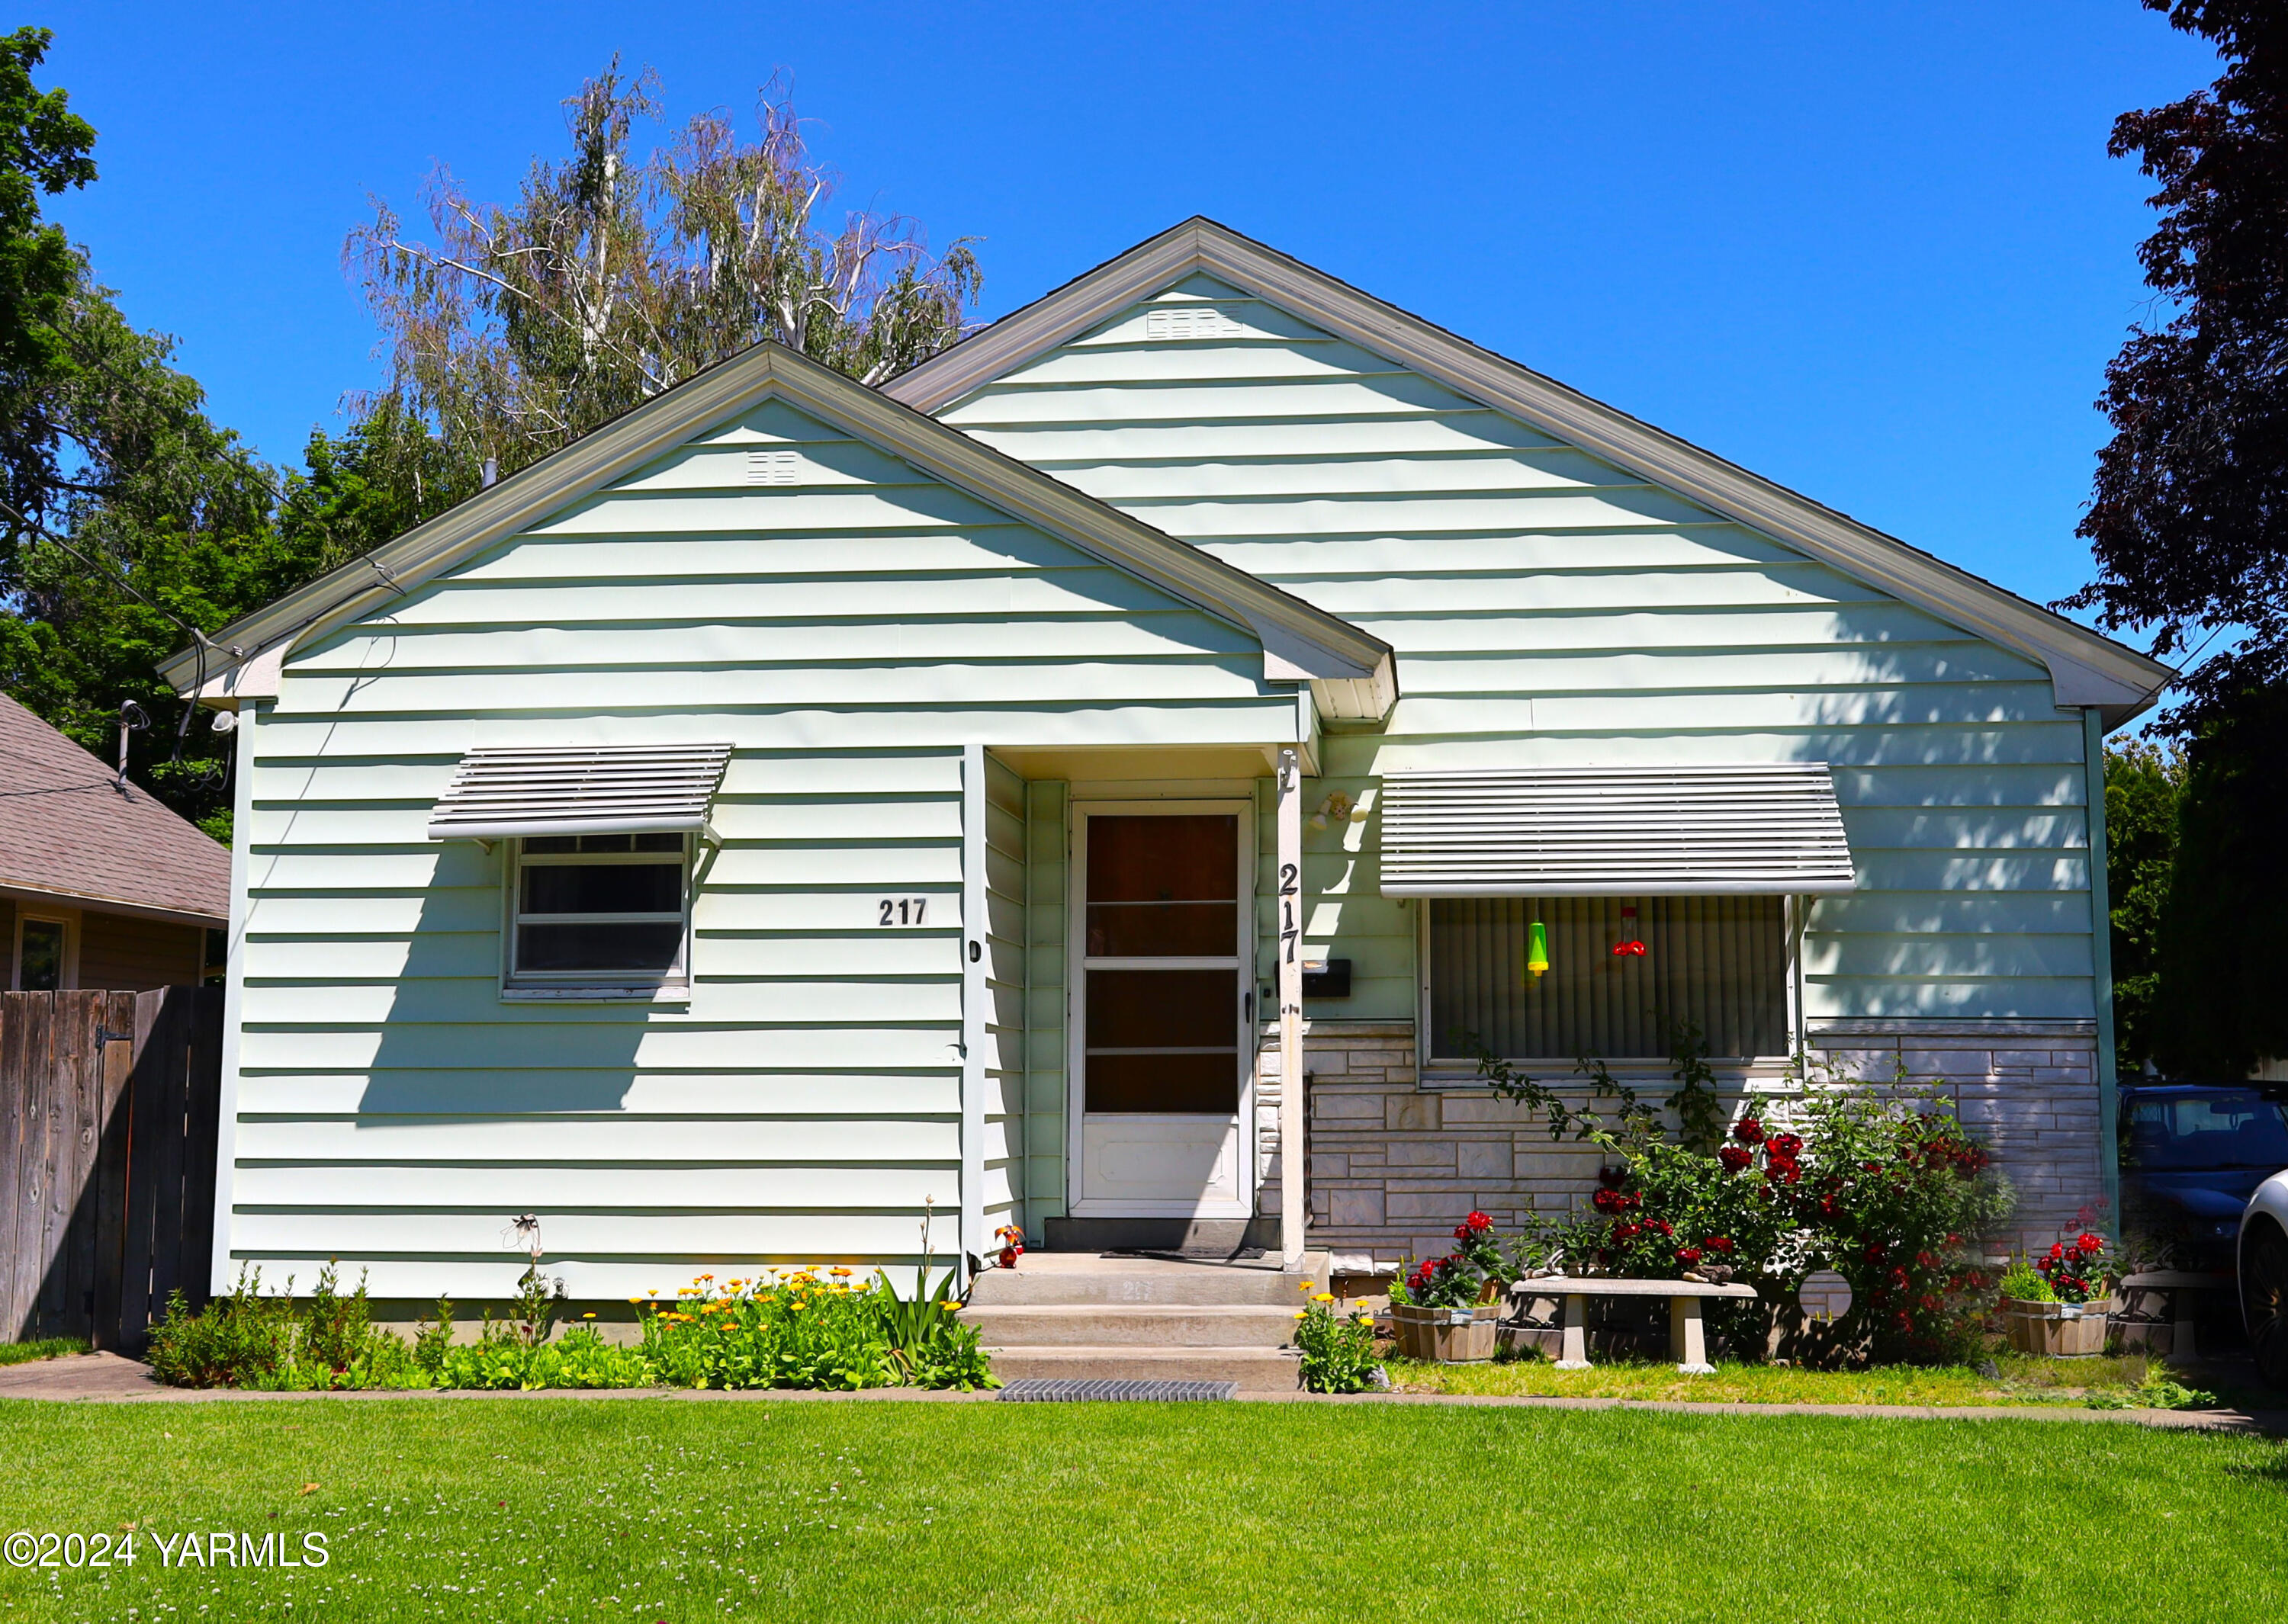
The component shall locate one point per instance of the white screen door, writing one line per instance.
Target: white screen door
(1162, 1069)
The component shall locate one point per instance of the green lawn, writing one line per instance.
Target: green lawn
(645, 1509)
(24, 1352)
(2113, 1380)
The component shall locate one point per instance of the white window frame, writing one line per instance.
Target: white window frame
(672, 985)
(1438, 1071)
(69, 918)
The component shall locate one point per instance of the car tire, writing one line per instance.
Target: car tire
(2264, 1298)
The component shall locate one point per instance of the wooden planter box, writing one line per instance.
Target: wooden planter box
(2058, 1330)
(1446, 1336)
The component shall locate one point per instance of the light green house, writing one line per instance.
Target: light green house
(798, 813)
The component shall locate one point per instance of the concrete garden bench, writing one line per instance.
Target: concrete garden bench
(2181, 1284)
(1686, 1338)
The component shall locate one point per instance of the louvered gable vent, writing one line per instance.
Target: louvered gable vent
(576, 790)
(1606, 831)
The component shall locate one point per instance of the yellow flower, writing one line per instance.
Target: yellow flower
(1324, 1296)
(949, 1305)
(1302, 1313)
(635, 1299)
(1308, 1284)
(587, 1316)
(838, 1269)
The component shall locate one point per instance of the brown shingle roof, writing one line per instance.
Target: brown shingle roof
(65, 829)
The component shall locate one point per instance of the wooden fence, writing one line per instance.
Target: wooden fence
(108, 1124)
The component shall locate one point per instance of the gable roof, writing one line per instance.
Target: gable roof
(2086, 667)
(1350, 670)
(68, 831)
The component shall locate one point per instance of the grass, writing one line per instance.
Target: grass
(644, 1509)
(25, 1352)
(2110, 1380)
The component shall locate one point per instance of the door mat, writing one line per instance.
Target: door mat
(1041, 1390)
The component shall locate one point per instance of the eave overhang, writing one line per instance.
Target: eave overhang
(1349, 671)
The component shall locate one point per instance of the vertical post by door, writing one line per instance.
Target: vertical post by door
(1291, 1006)
(972, 947)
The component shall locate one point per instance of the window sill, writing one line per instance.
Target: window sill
(664, 997)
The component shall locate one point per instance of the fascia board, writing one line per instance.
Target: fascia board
(2077, 658)
(1316, 643)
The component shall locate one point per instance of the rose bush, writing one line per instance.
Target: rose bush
(1889, 1194)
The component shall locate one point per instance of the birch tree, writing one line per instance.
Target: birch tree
(511, 330)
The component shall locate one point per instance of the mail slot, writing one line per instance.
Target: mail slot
(1326, 977)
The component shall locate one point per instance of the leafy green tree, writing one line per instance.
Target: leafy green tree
(2218, 1007)
(43, 149)
(2143, 781)
(612, 278)
(2189, 520)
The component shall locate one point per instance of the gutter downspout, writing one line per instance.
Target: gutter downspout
(2101, 953)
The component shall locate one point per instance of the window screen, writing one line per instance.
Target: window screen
(599, 910)
(1719, 963)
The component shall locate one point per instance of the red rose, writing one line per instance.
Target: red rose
(1788, 1145)
(1734, 1157)
(1687, 1255)
(1926, 1260)
(2091, 1244)
(2057, 1251)
(1874, 1251)
(1749, 1131)
(1719, 1243)
(1478, 1222)
(1607, 1199)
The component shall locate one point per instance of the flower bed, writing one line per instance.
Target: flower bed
(809, 1329)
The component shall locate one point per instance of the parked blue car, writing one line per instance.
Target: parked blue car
(2191, 1156)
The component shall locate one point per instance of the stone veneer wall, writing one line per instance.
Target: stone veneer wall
(1394, 1166)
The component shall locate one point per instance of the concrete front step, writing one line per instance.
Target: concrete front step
(1186, 1324)
(1257, 1370)
(1051, 1278)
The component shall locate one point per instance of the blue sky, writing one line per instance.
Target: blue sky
(1875, 252)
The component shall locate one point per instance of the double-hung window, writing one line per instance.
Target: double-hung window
(599, 914)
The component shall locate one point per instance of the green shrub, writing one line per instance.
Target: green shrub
(241, 1340)
(813, 1330)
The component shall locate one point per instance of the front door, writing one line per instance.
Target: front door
(1163, 1082)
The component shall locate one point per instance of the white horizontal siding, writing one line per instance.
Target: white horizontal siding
(848, 630)
(1551, 610)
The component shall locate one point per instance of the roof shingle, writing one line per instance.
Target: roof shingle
(65, 829)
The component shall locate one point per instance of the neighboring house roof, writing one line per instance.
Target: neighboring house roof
(1350, 670)
(68, 831)
(2087, 668)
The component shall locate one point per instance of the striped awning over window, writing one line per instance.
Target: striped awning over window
(580, 789)
(1605, 831)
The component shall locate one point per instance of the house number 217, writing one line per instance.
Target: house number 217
(903, 910)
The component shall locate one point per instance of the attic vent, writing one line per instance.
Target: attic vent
(1193, 321)
(773, 467)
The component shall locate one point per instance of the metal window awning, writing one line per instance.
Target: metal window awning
(580, 789)
(1768, 829)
